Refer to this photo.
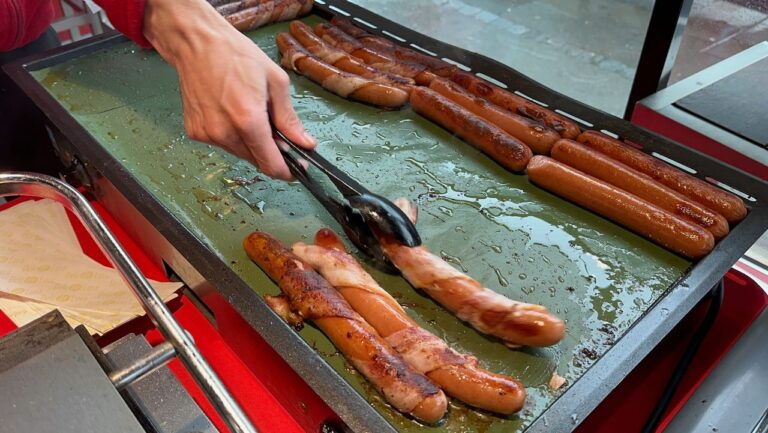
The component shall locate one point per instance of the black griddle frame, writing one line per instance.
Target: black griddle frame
(576, 402)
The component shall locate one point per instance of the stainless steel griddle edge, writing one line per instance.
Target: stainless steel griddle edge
(575, 403)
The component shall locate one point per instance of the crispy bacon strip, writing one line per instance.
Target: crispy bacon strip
(458, 374)
(515, 323)
(314, 299)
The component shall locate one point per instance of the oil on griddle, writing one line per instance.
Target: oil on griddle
(514, 237)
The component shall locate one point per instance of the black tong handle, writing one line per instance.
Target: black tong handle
(346, 185)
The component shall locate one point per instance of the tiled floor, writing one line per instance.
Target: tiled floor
(587, 49)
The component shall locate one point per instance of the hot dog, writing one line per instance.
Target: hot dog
(378, 43)
(314, 299)
(344, 84)
(515, 323)
(619, 175)
(722, 202)
(516, 104)
(535, 135)
(343, 60)
(268, 12)
(490, 139)
(458, 374)
(638, 215)
(336, 37)
(236, 6)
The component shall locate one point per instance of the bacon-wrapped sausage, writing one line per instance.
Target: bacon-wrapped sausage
(343, 60)
(515, 323)
(458, 374)
(314, 299)
(722, 202)
(247, 17)
(344, 84)
(403, 54)
(339, 39)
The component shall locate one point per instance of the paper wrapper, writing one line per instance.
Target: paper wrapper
(43, 268)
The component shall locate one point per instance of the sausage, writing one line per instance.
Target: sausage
(339, 39)
(489, 138)
(535, 135)
(458, 374)
(516, 104)
(344, 84)
(378, 43)
(621, 207)
(619, 175)
(722, 202)
(236, 6)
(343, 60)
(268, 12)
(316, 300)
(514, 323)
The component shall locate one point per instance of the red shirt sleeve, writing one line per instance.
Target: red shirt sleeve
(23, 21)
(127, 16)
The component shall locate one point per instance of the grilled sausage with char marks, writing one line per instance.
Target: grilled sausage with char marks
(617, 174)
(314, 299)
(621, 207)
(515, 323)
(516, 104)
(344, 84)
(343, 60)
(458, 374)
(503, 148)
(722, 202)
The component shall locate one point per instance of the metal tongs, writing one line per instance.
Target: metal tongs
(363, 215)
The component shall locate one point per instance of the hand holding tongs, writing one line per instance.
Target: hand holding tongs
(362, 214)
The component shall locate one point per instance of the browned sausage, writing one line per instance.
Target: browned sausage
(725, 203)
(503, 148)
(237, 6)
(515, 323)
(617, 174)
(619, 206)
(336, 37)
(458, 374)
(535, 135)
(314, 299)
(343, 60)
(516, 104)
(344, 84)
(403, 54)
(266, 12)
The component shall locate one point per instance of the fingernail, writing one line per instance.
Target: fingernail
(309, 139)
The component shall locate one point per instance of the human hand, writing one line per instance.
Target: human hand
(229, 87)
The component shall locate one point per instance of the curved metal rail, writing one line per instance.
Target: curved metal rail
(36, 185)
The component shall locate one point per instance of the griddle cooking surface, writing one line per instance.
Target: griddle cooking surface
(738, 103)
(513, 236)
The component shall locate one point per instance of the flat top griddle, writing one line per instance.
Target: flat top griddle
(618, 292)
